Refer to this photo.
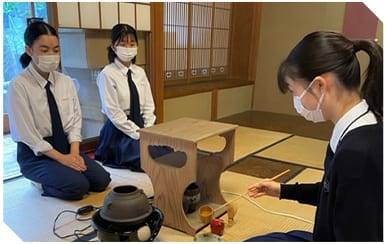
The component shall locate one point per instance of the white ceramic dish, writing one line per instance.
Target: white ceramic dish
(207, 237)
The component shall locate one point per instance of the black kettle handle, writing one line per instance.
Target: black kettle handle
(154, 221)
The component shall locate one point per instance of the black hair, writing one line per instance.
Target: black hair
(321, 52)
(118, 33)
(33, 31)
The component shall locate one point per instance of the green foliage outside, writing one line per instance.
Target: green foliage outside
(15, 16)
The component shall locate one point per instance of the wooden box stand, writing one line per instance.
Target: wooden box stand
(171, 174)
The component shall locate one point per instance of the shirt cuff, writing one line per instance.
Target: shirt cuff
(42, 146)
(72, 138)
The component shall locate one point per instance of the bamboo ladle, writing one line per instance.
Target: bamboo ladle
(234, 199)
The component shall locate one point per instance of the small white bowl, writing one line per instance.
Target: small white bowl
(207, 237)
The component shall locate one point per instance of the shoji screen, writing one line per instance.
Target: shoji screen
(196, 37)
(176, 40)
(221, 32)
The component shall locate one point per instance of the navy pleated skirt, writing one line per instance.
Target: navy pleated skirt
(118, 150)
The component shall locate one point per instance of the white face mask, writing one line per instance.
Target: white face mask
(47, 63)
(312, 115)
(126, 54)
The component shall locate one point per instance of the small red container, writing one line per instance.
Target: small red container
(217, 226)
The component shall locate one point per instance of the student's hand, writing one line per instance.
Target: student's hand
(74, 161)
(80, 160)
(264, 187)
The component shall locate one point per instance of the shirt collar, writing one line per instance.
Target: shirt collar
(40, 79)
(122, 67)
(345, 121)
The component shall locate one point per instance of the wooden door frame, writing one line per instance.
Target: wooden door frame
(155, 58)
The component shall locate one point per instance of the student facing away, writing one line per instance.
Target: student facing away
(323, 74)
(45, 121)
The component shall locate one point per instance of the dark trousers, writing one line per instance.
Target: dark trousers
(59, 180)
(292, 236)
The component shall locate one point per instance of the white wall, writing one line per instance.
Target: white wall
(229, 101)
(234, 100)
(195, 106)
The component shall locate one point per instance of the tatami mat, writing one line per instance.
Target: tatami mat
(247, 141)
(265, 168)
(251, 220)
(31, 217)
(308, 176)
(299, 150)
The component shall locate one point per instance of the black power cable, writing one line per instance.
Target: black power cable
(78, 233)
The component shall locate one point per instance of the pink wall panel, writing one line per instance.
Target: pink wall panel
(359, 22)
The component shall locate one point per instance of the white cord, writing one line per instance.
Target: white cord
(270, 211)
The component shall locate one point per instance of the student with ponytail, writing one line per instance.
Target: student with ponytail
(127, 102)
(323, 74)
(45, 121)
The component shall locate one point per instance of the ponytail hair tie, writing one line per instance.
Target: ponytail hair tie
(355, 47)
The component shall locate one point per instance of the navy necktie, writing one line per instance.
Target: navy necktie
(329, 156)
(135, 112)
(59, 138)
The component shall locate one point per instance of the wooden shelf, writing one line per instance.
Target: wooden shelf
(170, 179)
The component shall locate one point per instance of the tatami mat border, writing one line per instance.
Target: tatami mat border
(259, 150)
(271, 145)
(312, 158)
(289, 162)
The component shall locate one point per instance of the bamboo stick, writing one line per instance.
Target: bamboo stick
(234, 199)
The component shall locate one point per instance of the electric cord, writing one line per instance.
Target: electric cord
(79, 234)
(270, 211)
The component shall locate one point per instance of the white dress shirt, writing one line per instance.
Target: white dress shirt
(29, 113)
(114, 92)
(344, 122)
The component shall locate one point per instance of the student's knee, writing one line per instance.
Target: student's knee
(76, 189)
(101, 182)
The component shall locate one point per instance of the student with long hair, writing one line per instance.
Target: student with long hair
(323, 74)
(127, 102)
(45, 121)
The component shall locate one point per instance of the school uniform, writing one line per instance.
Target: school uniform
(31, 128)
(349, 199)
(119, 138)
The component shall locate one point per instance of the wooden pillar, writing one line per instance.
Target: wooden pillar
(155, 58)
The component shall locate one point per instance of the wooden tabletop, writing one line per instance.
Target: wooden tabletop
(189, 129)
